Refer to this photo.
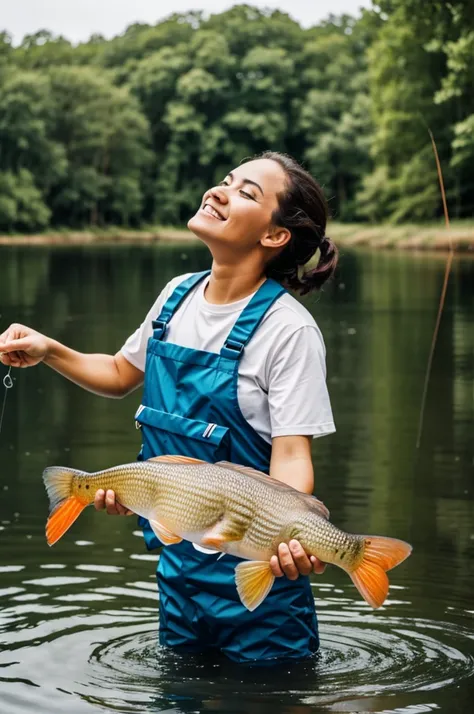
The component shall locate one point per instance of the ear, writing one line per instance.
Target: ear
(277, 239)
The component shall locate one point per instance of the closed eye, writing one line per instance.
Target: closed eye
(242, 192)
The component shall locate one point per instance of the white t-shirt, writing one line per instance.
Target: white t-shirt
(282, 373)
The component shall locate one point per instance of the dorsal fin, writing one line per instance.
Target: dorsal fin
(311, 502)
(175, 459)
(248, 470)
(314, 504)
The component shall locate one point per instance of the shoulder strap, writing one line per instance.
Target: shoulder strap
(174, 301)
(250, 318)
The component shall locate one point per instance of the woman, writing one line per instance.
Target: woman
(233, 368)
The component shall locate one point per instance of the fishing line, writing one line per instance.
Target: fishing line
(444, 289)
(8, 384)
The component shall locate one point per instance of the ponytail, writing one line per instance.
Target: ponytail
(302, 209)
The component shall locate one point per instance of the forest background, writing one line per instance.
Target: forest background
(131, 131)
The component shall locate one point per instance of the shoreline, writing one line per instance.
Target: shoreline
(407, 237)
(414, 237)
(87, 237)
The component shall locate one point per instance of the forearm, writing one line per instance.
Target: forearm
(295, 472)
(97, 373)
(291, 462)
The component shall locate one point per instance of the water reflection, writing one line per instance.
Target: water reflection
(78, 622)
(103, 651)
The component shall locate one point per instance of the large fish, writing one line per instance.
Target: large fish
(233, 509)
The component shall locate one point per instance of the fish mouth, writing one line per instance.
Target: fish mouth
(209, 210)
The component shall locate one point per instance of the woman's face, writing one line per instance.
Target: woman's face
(239, 210)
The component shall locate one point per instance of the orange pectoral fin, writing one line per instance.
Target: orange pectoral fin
(62, 518)
(164, 534)
(224, 531)
(216, 542)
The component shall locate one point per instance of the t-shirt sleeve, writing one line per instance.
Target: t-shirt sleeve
(134, 349)
(298, 396)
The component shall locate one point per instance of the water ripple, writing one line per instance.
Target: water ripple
(110, 659)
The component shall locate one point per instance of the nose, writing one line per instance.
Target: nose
(219, 194)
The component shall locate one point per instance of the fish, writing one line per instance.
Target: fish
(228, 508)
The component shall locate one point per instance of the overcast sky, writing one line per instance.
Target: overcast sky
(78, 19)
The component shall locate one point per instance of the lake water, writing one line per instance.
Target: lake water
(78, 622)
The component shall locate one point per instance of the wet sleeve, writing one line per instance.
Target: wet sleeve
(298, 396)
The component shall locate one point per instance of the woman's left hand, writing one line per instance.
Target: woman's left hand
(292, 561)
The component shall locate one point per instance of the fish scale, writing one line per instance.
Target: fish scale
(232, 508)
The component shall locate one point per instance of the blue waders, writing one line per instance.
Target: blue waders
(190, 407)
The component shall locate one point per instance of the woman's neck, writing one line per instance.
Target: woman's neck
(229, 283)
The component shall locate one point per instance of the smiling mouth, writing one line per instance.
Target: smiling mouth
(207, 208)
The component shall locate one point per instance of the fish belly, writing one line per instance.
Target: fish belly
(249, 551)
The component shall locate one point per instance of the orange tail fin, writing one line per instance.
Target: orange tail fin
(65, 507)
(380, 554)
(62, 518)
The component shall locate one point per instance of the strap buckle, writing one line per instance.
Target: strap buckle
(232, 350)
(138, 412)
(159, 326)
(234, 346)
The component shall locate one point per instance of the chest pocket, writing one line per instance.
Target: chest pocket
(165, 433)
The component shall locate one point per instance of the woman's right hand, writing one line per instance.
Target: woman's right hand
(108, 501)
(21, 346)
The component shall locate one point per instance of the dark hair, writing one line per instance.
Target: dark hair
(303, 210)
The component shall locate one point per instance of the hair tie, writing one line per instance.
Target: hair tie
(324, 244)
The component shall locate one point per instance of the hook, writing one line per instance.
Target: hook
(8, 381)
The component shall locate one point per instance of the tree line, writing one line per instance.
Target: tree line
(131, 131)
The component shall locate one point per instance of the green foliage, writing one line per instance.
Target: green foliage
(334, 114)
(463, 142)
(80, 139)
(377, 196)
(5, 49)
(21, 205)
(26, 127)
(135, 129)
(421, 67)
